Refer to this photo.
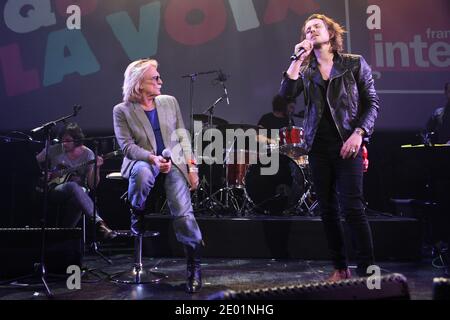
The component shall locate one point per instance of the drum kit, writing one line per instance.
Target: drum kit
(233, 183)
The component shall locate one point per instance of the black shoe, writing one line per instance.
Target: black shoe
(193, 269)
(104, 231)
(361, 270)
(194, 278)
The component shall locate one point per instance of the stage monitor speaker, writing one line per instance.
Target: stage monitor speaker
(20, 250)
(392, 287)
(441, 289)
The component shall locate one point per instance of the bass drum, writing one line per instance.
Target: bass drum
(279, 193)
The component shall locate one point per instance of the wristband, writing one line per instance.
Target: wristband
(360, 132)
(193, 169)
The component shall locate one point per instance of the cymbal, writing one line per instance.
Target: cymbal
(205, 119)
(235, 126)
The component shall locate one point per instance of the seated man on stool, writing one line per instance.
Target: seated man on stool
(72, 192)
(146, 123)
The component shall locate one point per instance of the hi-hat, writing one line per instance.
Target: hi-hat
(205, 119)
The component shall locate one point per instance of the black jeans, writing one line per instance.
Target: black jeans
(339, 187)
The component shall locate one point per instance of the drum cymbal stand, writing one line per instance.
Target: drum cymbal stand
(234, 199)
(220, 199)
(209, 203)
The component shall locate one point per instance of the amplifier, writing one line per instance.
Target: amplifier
(20, 250)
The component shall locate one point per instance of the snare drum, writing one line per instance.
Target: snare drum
(292, 141)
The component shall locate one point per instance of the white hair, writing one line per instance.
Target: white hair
(133, 77)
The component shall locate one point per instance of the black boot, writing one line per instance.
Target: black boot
(104, 231)
(137, 222)
(193, 269)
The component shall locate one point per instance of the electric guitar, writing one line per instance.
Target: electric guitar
(62, 174)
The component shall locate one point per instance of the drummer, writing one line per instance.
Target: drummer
(281, 115)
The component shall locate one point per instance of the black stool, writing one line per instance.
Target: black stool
(138, 274)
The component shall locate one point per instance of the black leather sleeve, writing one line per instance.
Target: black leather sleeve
(370, 102)
(289, 88)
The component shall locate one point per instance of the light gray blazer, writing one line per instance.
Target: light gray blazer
(136, 138)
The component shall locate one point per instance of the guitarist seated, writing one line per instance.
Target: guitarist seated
(71, 174)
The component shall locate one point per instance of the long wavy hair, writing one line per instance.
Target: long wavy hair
(335, 30)
(133, 77)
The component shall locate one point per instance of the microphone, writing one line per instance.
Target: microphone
(195, 74)
(221, 77)
(166, 154)
(302, 50)
(76, 109)
(297, 55)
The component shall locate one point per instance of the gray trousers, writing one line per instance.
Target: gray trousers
(76, 201)
(142, 179)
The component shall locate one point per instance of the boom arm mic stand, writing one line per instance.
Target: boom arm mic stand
(192, 77)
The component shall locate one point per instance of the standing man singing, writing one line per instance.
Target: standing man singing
(341, 108)
(145, 124)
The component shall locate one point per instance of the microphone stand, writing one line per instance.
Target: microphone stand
(210, 111)
(94, 246)
(192, 77)
(40, 268)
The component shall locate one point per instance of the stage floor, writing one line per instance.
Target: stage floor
(218, 275)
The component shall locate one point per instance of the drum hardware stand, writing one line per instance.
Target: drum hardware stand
(203, 187)
(258, 205)
(241, 205)
(305, 199)
(304, 202)
(306, 196)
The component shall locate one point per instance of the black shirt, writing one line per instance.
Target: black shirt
(270, 121)
(327, 132)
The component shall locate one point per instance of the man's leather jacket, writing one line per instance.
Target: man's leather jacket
(350, 94)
